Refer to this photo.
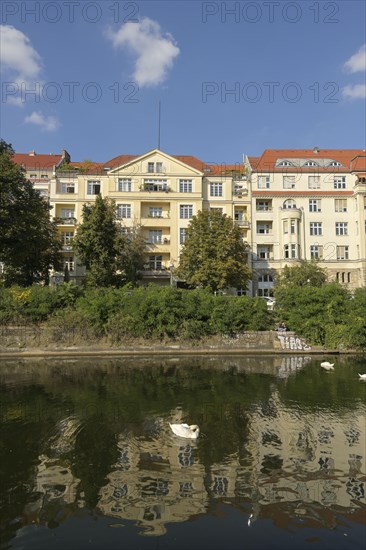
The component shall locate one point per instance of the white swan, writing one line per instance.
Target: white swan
(362, 376)
(327, 366)
(183, 430)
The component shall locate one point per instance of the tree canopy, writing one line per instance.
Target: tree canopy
(305, 273)
(111, 256)
(214, 255)
(29, 244)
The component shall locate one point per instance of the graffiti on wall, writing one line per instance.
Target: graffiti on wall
(293, 342)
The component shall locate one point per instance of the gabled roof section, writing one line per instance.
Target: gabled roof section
(358, 164)
(33, 161)
(124, 160)
(325, 160)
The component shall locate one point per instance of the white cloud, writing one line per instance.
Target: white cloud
(357, 62)
(355, 91)
(17, 54)
(154, 50)
(48, 123)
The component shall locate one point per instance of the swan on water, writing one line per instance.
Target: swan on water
(183, 430)
(326, 365)
(362, 376)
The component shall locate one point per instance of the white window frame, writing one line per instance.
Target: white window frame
(341, 228)
(316, 252)
(124, 211)
(263, 205)
(315, 205)
(94, 187)
(155, 212)
(215, 189)
(313, 182)
(340, 205)
(68, 187)
(182, 235)
(316, 228)
(185, 211)
(155, 236)
(67, 213)
(342, 252)
(264, 228)
(339, 182)
(155, 262)
(263, 182)
(264, 252)
(124, 185)
(185, 186)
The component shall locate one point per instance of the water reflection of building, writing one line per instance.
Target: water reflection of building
(154, 481)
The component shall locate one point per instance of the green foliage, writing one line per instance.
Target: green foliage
(110, 256)
(214, 255)
(306, 273)
(29, 243)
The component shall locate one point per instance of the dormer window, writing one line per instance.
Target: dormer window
(310, 163)
(335, 163)
(285, 163)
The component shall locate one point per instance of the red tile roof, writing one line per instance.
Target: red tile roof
(36, 162)
(358, 163)
(267, 161)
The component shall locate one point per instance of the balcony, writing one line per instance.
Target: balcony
(65, 221)
(243, 223)
(155, 188)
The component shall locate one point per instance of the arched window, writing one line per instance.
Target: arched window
(311, 163)
(335, 163)
(285, 163)
(289, 203)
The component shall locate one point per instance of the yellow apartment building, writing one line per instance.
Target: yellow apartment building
(290, 204)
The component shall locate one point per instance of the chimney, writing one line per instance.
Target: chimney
(316, 150)
(32, 153)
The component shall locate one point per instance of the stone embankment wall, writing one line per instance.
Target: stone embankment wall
(23, 339)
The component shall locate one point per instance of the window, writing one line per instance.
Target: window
(44, 177)
(155, 263)
(67, 213)
(155, 185)
(264, 206)
(335, 163)
(155, 212)
(316, 252)
(265, 278)
(315, 205)
(33, 176)
(67, 237)
(289, 203)
(340, 205)
(68, 188)
(182, 235)
(153, 167)
(310, 163)
(93, 187)
(216, 189)
(124, 184)
(289, 182)
(285, 163)
(155, 236)
(69, 263)
(339, 182)
(290, 251)
(263, 182)
(293, 227)
(186, 211)
(263, 228)
(316, 228)
(342, 253)
(124, 211)
(185, 186)
(264, 252)
(313, 182)
(239, 215)
(341, 228)
(285, 226)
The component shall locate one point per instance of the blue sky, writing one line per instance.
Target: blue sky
(233, 78)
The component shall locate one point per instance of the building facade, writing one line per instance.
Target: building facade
(290, 204)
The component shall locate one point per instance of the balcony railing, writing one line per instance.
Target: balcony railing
(155, 188)
(65, 221)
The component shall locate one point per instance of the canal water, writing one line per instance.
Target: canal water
(88, 460)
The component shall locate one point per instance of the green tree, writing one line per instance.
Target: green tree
(214, 254)
(29, 244)
(306, 273)
(96, 242)
(111, 256)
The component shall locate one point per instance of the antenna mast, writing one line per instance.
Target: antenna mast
(159, 116)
